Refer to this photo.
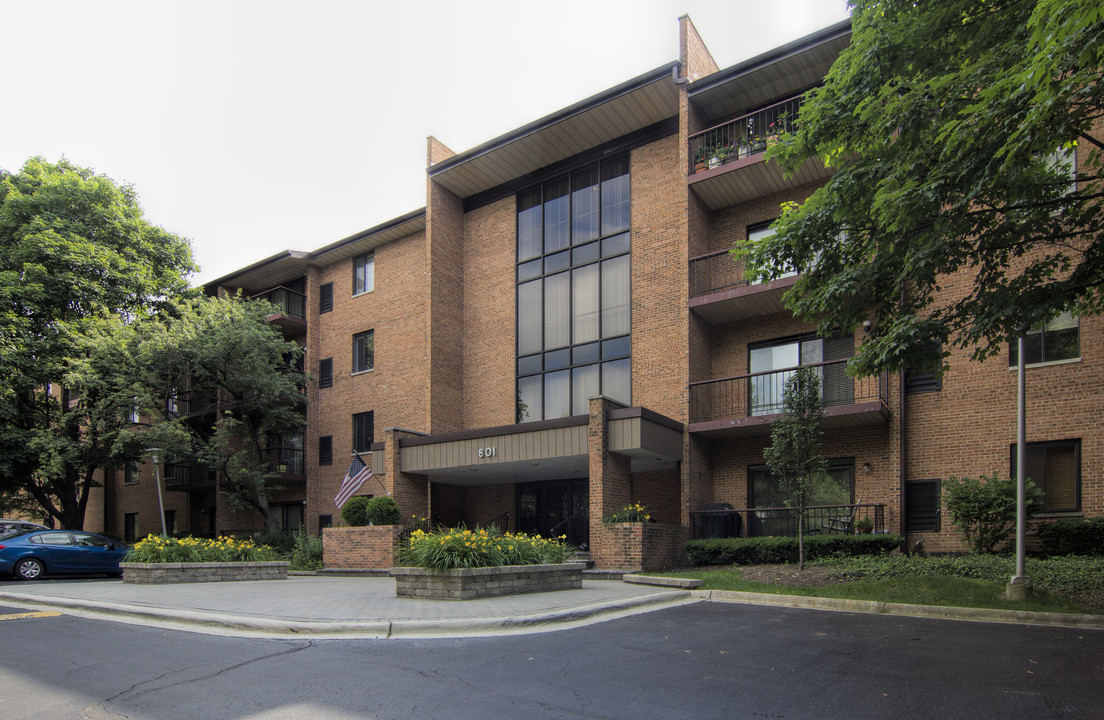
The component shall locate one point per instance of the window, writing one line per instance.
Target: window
(172, 402)
(364, 351)
(130, 527)
(170, 522)
(921, 381)
(922, 506)
(130, 472)
(1055, 468)
(1059, 339)
(364, 273)
(363, 432)
(325, 372)
(289, 516)
(324, 521)
(325, 298)
(573, 292)
(135, 416)
(89, 540)
(325, 450)
(771, 365)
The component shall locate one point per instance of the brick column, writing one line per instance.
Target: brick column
(610, 475)
(410, 491)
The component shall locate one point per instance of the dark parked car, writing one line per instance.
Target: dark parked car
(8, 528)
(59, 552)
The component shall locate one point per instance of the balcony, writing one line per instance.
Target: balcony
(287, 461)
(726, 161)
(291, 312)
(782, 521)
(720, 293)
(188, 478)
(746, 405)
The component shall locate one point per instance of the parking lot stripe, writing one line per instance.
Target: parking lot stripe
(28, 615)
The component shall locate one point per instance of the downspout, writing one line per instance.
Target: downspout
(675, 75)
(902, 451)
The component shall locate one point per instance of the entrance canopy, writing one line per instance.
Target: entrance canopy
(542, 450)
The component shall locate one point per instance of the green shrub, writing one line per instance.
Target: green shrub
(772, 550)
(383, 510)
(1072, 537)
(278, 540)
(633, 512)
(984, 509)
(307, 553)
(355, 511)
(483, 547)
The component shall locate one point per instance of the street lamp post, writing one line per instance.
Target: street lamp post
(1019, 587)
(154, 453)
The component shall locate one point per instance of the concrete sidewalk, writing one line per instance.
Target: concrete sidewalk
(366, 607)
(334, 607)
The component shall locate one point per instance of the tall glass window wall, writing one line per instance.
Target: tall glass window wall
(573, 292)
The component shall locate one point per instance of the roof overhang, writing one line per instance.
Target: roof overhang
(619, 111)
(780, 73)
(291, 264)
(544, 450)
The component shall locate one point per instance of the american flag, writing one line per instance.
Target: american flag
(358, 473)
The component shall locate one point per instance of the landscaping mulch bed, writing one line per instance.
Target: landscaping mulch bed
(789, 575)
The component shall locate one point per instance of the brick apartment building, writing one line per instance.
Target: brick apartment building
(561, 330)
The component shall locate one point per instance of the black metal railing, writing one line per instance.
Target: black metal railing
(502, 522)
(284, 459)
(744, 136)
(782, 521)
(715, 272)
(287, 300)
(761, 393)
(187, 474)
(575, 527)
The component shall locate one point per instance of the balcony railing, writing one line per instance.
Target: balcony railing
(284, 460)
(715, 272)
(289, 301)
(760, 393)
(182, 475)
(782, 521)
(744, 136)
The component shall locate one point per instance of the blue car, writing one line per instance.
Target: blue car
(59, 552)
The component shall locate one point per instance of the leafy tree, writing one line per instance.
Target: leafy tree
(951, 128)
(794, 453)
(75, 250)
(985, 509)
(223, 350)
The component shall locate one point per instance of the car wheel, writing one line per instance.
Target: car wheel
(29, 569)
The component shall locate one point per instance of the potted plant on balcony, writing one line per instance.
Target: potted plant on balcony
(701, 158)
(864, 526)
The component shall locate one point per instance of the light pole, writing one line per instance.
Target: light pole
(1019, 587)
(154, 453)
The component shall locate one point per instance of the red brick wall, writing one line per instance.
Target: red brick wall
(638, 546)
(360, 548)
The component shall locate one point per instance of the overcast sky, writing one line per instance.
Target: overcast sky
(262, 126)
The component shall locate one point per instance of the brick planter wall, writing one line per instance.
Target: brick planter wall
(639, 546)
(162, 573)
(471, 583)
(371, 547)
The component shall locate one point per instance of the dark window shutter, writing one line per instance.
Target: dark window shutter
(325, 450)
(325, 298)
(922, 506)
(325, 373)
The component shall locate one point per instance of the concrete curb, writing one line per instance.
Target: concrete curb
(213, 623)
(922, 611)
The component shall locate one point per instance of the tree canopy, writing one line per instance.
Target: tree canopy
(75, 251)
(953, 217)
(222, 354)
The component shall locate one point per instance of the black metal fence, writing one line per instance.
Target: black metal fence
(761, 393)
(576, 527)
(744, 136)
(782, 521)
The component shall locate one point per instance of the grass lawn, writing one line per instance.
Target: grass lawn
(943, 591)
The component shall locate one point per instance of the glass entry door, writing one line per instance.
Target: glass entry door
(553, 508)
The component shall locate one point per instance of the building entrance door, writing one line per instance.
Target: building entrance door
(554, 508)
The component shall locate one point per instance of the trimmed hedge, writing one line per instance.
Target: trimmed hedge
(383, 510)
(1072, 537)
(773, 550)
(355, 511)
